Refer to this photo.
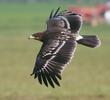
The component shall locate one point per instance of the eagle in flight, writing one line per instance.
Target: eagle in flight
(59, 44)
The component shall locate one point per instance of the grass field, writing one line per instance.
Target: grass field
(87, 77)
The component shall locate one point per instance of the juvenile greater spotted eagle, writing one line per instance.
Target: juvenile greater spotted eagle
(59, 44)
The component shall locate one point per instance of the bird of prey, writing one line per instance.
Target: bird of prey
(59, 44)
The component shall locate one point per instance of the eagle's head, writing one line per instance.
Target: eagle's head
(36, 36)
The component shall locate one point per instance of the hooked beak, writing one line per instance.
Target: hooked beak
(31, 37)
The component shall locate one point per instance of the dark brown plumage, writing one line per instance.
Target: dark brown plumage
(59, 44)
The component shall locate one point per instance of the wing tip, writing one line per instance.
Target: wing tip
(55, 14)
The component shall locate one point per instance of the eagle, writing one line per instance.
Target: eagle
(59, 42)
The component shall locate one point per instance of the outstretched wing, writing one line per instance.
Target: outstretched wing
(66, 20)
(51, 61)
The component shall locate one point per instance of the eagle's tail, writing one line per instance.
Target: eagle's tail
(89, 41)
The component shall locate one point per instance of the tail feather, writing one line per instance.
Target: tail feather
(90, 41)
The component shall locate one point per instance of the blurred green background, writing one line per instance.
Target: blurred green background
(87, 77)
